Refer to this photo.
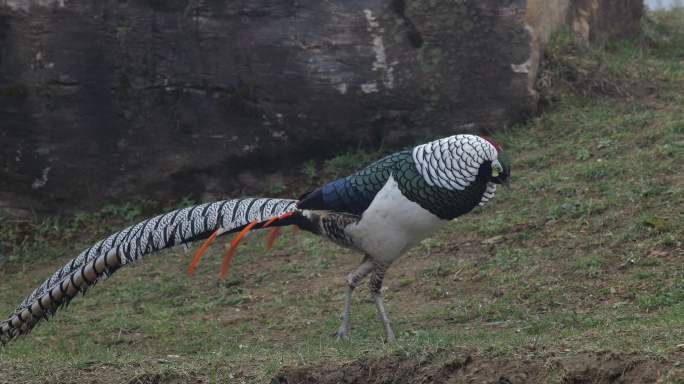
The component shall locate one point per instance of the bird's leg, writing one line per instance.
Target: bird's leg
(375, 285)
(353, 280)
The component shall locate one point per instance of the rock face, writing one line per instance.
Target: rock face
(107, 99)
(593, 20)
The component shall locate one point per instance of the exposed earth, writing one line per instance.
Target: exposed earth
(583, 368)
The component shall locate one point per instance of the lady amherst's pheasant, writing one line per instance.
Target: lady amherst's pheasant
(382, 211)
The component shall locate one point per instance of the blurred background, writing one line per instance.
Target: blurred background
(103, 101)
(663, 4)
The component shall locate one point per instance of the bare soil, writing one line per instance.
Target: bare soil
(590, 367)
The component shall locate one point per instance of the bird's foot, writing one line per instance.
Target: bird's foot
(390, 335)
(341, 335)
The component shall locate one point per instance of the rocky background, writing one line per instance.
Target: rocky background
(108, 99)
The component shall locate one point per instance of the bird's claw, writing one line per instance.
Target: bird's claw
(341, 335)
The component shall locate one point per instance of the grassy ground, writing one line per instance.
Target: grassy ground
(583, 253)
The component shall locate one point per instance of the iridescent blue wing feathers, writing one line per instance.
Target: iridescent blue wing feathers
(354, 193)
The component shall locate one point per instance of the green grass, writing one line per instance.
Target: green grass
(583, 252)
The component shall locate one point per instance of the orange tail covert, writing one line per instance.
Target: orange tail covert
(233, 245)
(200, 252)
(271, 238)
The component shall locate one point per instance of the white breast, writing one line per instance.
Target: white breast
(392, 224)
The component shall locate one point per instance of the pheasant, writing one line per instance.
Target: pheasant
(382, 211)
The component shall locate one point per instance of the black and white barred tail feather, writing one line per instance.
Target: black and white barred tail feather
(127, 246)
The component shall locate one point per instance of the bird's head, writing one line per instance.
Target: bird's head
(501, 166)
(458, 161)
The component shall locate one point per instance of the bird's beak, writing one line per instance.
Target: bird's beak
(503, 182)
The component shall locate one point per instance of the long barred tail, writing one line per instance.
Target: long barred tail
(106, 256)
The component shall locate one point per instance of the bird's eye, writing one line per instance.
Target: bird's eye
(497, 169)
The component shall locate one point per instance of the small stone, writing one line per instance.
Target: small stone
(494, 240)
